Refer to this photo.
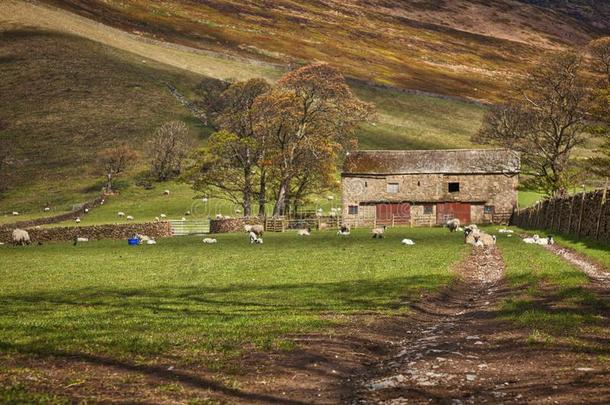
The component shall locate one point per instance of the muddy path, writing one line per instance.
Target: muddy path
(459, 351)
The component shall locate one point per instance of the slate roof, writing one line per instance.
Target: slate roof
(456, 161)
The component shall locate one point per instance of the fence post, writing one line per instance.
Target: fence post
(571, 213)
(601, 211)
(582, 207)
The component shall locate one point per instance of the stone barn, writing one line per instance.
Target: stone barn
(429, 187)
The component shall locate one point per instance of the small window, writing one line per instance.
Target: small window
(418, 183)
(454, 187)
(352, 210)
(428, 209)
(366, 184)
(488, 209)
(392, 188)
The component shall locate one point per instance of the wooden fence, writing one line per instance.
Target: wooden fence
(584, 215)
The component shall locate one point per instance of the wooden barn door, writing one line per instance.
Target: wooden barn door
(393, 213)
(447, 211)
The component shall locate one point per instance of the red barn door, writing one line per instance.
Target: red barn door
(447, 211)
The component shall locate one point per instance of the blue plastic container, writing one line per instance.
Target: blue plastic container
(133, 242)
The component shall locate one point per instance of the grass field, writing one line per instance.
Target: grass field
(551, 297)
(186, 299)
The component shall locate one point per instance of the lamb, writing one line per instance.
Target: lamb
(15, 213)
(78, 240)
(506, 231)
(304, 232)
(121, 214)
(254, 238)
(77, 220)
(151, 242)
(343, 231)
(47, 209)
(453, 224)
(129, 218)
(378, 232)
(166, 192)
(21, 237)
(209, 241)
(407, 242)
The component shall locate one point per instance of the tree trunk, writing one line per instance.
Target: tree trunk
(109, 183)
(282, 198)
(247, 204)
(262, 196)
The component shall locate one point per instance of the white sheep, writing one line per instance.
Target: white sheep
(129, 218)
(187, 213)
(453, 224)
(257, 229)
(378, 232)
(21, 237)
(166, 192)
(204, 199)
(86, 210)
(163, 216)
(407, 242)
(15, 213)
(77, 220)
(254, 238)
(121, 214)
(47, 209)
(151, 242)
(157, 219)
(209, 241)
(304, 232)
(506, 231)
(143, 238)
(78, 240)
(219, 216)
(532, 240)
(183, 219)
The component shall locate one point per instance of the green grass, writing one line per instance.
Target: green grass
(187, 299)
(551, 298)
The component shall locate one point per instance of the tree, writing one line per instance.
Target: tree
(311, 115)
(209, 91)
(167, 150)
(234, 151)
(600, 51)
(114, 161)
(545, 122)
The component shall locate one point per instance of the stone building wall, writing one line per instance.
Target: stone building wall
(498, 190)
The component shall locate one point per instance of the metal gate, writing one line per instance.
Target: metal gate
(195, 227)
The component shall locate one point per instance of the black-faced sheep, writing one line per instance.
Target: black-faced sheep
(453, 224)
(343, 230)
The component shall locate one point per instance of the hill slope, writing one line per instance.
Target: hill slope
(471, 48)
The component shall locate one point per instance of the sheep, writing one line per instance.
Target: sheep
(183, 219)
(121, 214)
(209, 241)
(86, 210)
(151, 242)
(453, 224)
(304, 232)
(163, 216)
(407, 242)
(187, 213)
(129, 218)
(47, 209)
(77, 220)
(549, 240)
(21, 237)
(15, 213)
(78, 240)
(254, 238)
(532, 240)
(343, 231)
(237, 211)
(480, 239)
(166, 192)
(219, 216)
(204, 199)
(506, 231)
(378, 232)
(143, 238)
(102, 202)
(257, 229)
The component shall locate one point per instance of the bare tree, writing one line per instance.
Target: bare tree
(600, 51)
(114, 161)
(545, 122)
(167, 150)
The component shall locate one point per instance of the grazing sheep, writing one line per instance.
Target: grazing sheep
(407, 242)
(378, 232)
(21, 237)
(257, 229)
(151, 242)
(121, 214)
(47, 209)
(506, 231)
(204, 199)
(343, 231)
(254, 238)
(219, 216)
(77, 220)
(163, 216)
(166, 192)
(453, 224)
(304, 232)
(209, 241)
(86, 210)
(15, 213)
(129, 218)
(78, 240)
(187, 213)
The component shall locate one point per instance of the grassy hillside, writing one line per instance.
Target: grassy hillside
(470, 48)
(73, 96)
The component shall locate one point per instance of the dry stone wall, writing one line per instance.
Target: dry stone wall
(96, 232)
(585, 215)
(232, 224)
